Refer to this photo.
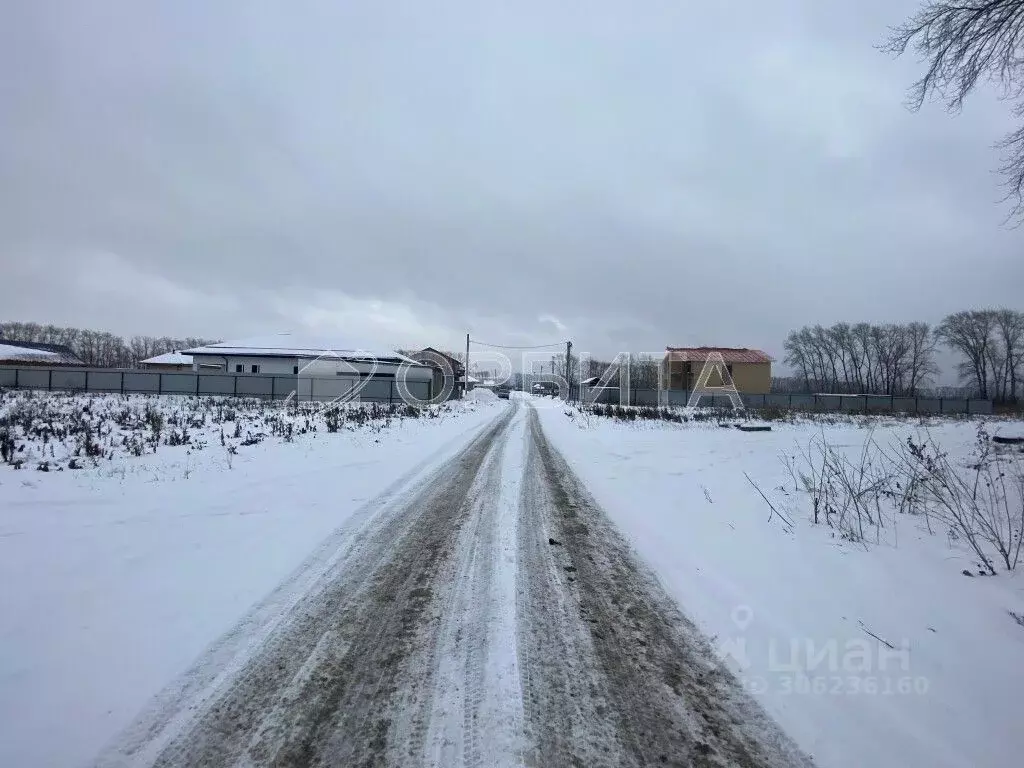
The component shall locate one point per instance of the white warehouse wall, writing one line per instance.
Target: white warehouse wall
(322, 367)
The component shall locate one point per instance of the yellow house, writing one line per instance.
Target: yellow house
(751, 369)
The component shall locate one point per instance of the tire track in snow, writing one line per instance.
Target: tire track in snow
(320, 686)
(654, 692)
(569, 718)
(433, 723)
(474, 716)
(448, 631)
(184, 700)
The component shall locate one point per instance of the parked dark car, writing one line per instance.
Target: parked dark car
(503, 392)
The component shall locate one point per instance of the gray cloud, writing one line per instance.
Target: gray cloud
(622, 174)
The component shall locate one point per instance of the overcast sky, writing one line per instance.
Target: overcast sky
(625, 174)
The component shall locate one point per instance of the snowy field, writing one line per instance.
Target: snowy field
(805, 615)
(119, 574)
(135, 531)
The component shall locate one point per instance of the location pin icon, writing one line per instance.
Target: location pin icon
(742, 616)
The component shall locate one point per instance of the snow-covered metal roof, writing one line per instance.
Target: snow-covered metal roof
(23, 352)
(7, 352)
(729, 354)
(291, 345)
(169, 358)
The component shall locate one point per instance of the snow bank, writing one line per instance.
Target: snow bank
(481, 395)
(116, 577)
(805, 619)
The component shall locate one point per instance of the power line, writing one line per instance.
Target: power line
(513, 346)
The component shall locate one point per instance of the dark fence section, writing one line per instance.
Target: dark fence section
(823, 402)
(268, 387)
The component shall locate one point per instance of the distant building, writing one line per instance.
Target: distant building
(751, 369)
(288, 354)
(169, 361)
(429, 357)
(22, 353)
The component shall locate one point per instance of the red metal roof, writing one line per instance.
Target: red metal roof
(729, 354)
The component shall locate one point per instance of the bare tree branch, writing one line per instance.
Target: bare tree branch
(963, 42)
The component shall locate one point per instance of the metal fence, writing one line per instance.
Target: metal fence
(268, 387)
(838, 403)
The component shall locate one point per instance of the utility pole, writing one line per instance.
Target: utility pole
(465, 382)
(568, 367)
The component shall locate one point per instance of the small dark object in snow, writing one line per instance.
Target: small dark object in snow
(73, 464)
(754, 428)
(569, 568)
(1008, 440)
(724, 425)
(965, 572)
(554, 542)
(981, 572)
(932, 629)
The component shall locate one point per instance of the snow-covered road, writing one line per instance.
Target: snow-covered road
(485, 613)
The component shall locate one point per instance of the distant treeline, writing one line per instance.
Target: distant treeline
(98, 348)
(899, 359)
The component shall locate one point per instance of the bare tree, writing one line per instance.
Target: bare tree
(17, 331)
(921, 367)
(140, 348)
(970, 334)
(569, 369)
(89, 347)
(842, 343)
(593, 367)
(861, 333)
(643, 372)
(797, 357)
(962, 42)
(1009, 333)
(892, 359)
